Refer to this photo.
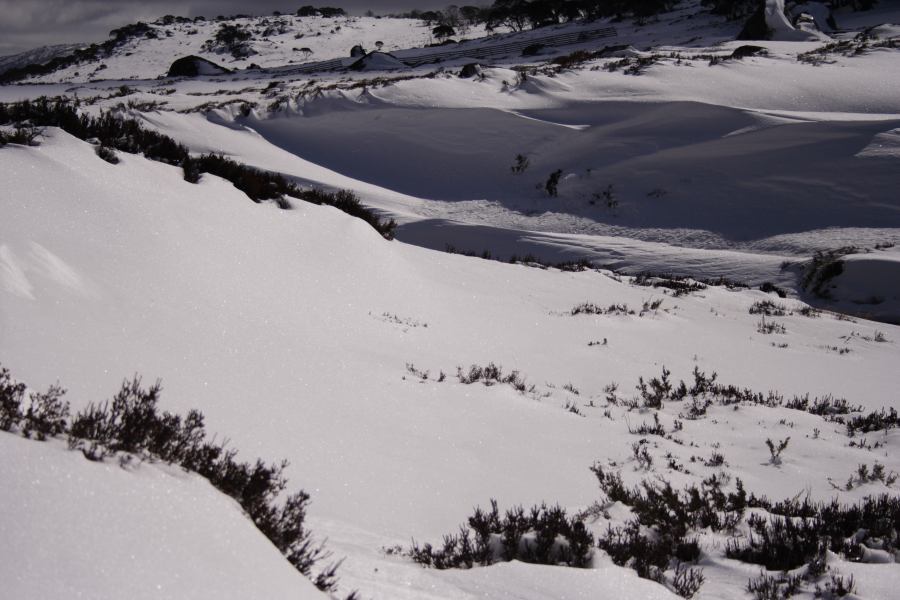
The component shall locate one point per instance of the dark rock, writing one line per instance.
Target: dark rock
(747, 50)
(470, 70)
(192, 66)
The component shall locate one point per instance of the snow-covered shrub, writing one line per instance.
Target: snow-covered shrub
(47, 414)
(774, 587)
(873, 421)
(489, 375)
(775, 450)
(230, 38)
(769, 287)
(10, 401)
(23, 134)
(798, 532)
(679, 286)
(769, 309)
(589, 308)
(659, 389)
(687, 581)
(107, 154)
(542, 535)
(769, 327)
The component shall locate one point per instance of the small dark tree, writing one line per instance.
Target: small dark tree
(552, 184)
(47, 414)
(10, 401)
(443, 32)
(521, 164)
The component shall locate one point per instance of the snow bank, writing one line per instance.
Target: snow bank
(781, 27)
(870, 284)
(75, 528)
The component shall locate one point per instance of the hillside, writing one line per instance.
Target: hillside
(406, 383)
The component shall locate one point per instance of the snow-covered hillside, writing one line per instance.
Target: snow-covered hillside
(368, 364)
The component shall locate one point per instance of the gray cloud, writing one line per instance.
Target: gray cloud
(27, 24)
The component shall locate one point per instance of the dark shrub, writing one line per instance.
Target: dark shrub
(107, 154)
(542, 535)
(47, 414)
(10, 401)
(552, 184)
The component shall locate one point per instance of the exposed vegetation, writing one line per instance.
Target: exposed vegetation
(542, 535)
(132, 426)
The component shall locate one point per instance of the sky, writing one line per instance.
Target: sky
(26, 24)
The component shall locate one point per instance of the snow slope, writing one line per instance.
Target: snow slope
(292, 331)
(75, 528)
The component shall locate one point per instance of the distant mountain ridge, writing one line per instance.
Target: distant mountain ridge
(39, 55)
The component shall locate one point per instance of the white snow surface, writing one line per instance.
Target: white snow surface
(293, 330)
(74, 528)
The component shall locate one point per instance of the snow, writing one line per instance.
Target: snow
(781, 27)
(872, 282)
(85, 529)
(256, 317)
(292, 330)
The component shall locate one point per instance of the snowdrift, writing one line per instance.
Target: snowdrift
(72, 527)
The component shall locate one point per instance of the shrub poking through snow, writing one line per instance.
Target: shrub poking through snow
(520, 165)
(679, 286)
(11, 395)
(47, 414)
(542, 535)
(794, 534)
(588, 308)
(769, 327)
(775, 450)
(107, 154)
(769, 309)
(132, 425)
(490, 375)
(659, 389)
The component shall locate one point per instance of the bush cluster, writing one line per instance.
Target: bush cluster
(679, 286)
(542, 535)
(769, 309)
(797, 531)
(490, 375)
(589, 308)
(45, 416)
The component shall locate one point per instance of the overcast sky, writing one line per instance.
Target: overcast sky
(26, 24)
